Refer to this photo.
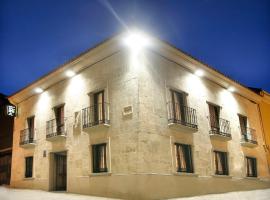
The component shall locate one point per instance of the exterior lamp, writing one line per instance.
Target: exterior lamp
(231, 89)
(38, 90)
(136, 40)
(199, 73)
(70, 73)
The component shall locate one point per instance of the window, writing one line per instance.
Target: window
(221, 163)
(243, 124)
(98, 106)
(31, 128)
(214, 112)
(251, 164)
(183, 158)
(99, 158)
(28, 167)
(179, 106)
(59, 117)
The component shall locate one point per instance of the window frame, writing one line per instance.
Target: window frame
(95, 161)
(254, 167)
(28, 173)
(187, 151)
(224, 163)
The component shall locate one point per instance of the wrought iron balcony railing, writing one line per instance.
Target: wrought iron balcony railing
(249, 135)
(220, 127)
(27, 136)
(55, 128)
(95, 115)
(180, 114)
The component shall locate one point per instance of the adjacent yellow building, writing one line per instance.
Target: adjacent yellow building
(264, 109)
(136, 118)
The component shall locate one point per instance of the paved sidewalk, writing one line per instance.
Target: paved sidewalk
(245, 195)
(20, 194)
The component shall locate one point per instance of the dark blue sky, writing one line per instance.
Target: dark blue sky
(38, 35)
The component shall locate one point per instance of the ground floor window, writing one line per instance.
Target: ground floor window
(99, 158)
(251, 164)
(28, 167)
(221, 163)
(183, 158)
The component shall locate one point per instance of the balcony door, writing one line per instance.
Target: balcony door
(59, 118)
(31, 128)
(214, 112)
(99, 110)
(178, 106)
(243, 124)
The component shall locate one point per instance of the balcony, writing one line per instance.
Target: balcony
(249, 138)
(55, 131)
(27, 138)
(220, 129)
(182, 118)
(96, 116)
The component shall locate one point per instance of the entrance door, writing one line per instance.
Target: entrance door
(60, 171)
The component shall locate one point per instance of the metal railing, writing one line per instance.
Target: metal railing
(27, 136)
(249, 135)
(95, 115)
(54, 128)
(181, 114)
(220, 127)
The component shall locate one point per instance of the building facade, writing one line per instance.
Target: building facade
(137, 123)
(6, 135)
(264, 108)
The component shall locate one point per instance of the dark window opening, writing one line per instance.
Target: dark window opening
(243, 124)
(98, 106)
(59, 117)
(99, 158)
(251, 164)
(214, 112)
(29, 167)
(31, 128)
(183, 158)
(221, 163)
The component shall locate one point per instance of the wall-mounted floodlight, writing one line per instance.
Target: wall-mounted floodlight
(136, 40)
(70, 73)
(231, 89)
(199, 73)
(38, 90)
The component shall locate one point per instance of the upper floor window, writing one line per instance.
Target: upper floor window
(28, 167)
(99, 107)
(214, 115)
(183, 158)
(31, 128)
(59, 118)
(251, 164)
(243, 124)
(179, 113)
(221, 163)
(99, 158)
(179, 103)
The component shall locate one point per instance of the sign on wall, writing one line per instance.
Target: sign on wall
(11, 110)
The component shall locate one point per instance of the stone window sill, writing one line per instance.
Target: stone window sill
(100, 174)
(28, 178)
(252, 178)
(221, 176)
(185, 174)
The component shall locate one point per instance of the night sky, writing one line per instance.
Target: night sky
(231, 35)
